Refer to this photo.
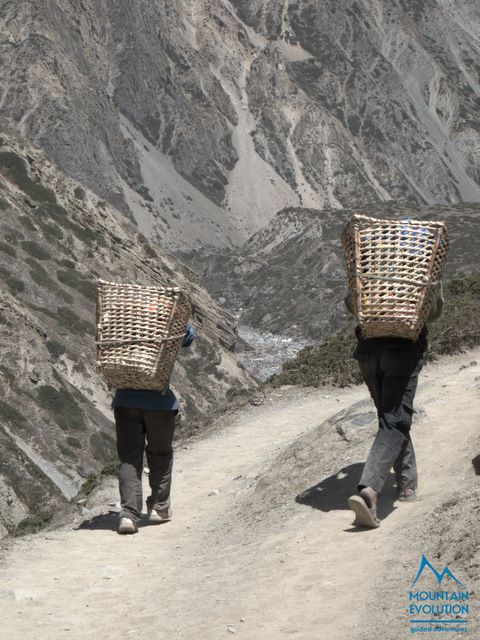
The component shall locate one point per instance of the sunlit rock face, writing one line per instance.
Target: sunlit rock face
(203, 119)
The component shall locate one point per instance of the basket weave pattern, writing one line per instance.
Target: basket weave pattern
(393, 267)
(139, 333)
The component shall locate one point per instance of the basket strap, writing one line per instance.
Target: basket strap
(138, 341)
(372, 276)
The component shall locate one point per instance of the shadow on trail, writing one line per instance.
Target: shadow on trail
(332, 493)
(105, 521)
(109, 522)
(476, 465)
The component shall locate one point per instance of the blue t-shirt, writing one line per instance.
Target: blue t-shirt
(151, 398)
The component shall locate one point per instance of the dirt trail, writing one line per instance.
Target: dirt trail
(213, 572)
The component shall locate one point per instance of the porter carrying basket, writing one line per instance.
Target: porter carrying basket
(139, 332)
(394, 268)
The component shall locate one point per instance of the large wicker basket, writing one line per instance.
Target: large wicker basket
(393, 269)
(139, 333)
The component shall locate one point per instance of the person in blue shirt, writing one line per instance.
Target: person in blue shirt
(145, 416)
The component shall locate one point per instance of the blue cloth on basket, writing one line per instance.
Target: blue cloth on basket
(151, 398)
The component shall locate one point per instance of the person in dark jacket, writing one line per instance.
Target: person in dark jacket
(390, 367)
(144, 416)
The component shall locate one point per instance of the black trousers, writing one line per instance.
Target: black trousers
(390, 371)
(135, 428)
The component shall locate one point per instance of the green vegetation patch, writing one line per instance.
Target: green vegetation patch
(102, 445)
(72, 279)
(36, 250)
(7, 372)
(61, 216)
(74, 442)
(50, 230)
(69, 319)
(48, 312)
(328, 363)
(146, 245)
(27, 223)
(15, 285)
(92, 482)
(13, 167)
(79, 193)
(240, 392)
(111, 468)
(32, 524)
(145, 193)
(62, 407)
(331, 362)
(65, 450)
(8, 249)
(458, 328)
(12, 236)
(152, 127)
(40, 276)
(12, 415)
(68, 264)
(55, 348)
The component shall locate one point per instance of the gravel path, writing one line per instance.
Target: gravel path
(223, 566)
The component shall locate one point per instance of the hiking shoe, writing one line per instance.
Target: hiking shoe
(126, 526)
(365, 516)
(406, 495)
(155, 516)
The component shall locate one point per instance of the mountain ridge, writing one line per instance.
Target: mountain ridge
(247, 107)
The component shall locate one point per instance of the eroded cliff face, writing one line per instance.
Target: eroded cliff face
(383, 108)
(56, 239)
(203, 118)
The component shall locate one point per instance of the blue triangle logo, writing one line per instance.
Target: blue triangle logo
(425, 564)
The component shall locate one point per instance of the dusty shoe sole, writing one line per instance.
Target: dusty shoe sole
(406, 496)
(157, 517)
(364, 517)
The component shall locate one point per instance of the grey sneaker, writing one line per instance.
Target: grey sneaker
(126, 526)
(155, 516)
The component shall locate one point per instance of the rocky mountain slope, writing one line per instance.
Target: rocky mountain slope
(189, 126)
(203, 118)
(56, 239)
(290, 277)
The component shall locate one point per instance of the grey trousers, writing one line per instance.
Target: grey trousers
(391, 375)
(135, 428)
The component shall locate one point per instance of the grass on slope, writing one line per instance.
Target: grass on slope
(331, 362)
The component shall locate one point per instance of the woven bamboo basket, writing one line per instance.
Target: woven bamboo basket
(139, 333)
(393, 268)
